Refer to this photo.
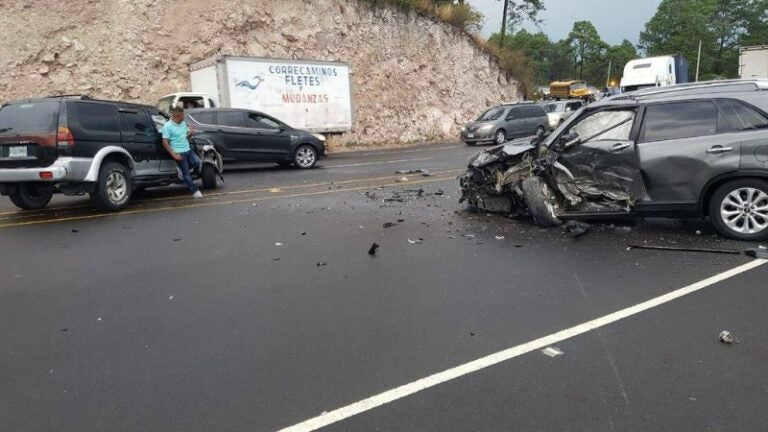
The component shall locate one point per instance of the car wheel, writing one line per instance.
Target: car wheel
(501, 136)
(305, 157)
(209, 176)
(541, 202)
(113, 189)
(739, 210)
(31, 196)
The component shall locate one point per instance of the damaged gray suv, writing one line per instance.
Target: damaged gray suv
(692, 150)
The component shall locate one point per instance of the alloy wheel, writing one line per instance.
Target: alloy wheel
(116, 186)
(305, 157)
(745, 210)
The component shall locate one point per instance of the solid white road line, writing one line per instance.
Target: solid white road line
(378, 400)
(378, 163)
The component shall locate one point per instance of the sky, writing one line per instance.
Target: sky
(615, 20)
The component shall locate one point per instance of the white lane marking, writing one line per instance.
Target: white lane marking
(386, 397)
(378, 163)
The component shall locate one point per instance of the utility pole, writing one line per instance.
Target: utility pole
(608, 80)
(698, 62)
(504, 23)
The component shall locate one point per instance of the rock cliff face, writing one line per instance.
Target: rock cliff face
(414, 79)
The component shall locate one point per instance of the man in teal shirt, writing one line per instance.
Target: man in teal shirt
(176, 142)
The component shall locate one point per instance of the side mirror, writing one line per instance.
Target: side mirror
(566, 141)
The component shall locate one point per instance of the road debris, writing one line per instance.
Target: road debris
(727, 338)
(415, 171)
(403, 180)
(552, 351)
(322, 264)
(576, 229)
(500, 237)
(759, 253)
(373, 249)
(419, 241)
(389, 224)
(75, 231)
(685, 249)
(278, 244)
(469, 236)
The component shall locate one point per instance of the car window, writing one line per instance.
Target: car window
(211, 103)
(679, 120)
(204, 117)
(164, 104)
(536, 111)
(31, 117)
(231, 118)
(516, 114)
(262, 122)
(191, 102)
(573, 106)
(605, 125)
(135, 122)
(553, 107)
(735, 116)
(97, 117)
(492, 114)
(159, 121)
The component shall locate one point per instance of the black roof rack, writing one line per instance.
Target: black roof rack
(81, 96)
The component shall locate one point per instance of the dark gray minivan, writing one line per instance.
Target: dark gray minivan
(504, 122)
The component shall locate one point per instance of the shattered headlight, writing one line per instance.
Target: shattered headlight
(481, 159)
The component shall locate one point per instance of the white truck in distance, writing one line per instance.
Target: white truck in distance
(306, 94)
(753, 62)
(654, 72)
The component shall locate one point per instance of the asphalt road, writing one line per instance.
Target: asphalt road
(258, 308)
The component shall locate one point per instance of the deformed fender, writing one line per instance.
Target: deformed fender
(98, 159)
(211, 156)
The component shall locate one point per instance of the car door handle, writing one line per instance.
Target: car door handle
(719, 149)
(620, 146)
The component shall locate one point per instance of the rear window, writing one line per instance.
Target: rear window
(96, 117)
(735, 116)
(29, 118)
(231, 119)
(679, 120)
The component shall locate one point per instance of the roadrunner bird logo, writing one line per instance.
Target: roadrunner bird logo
(253, 84)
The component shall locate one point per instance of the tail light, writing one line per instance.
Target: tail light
(64, 137)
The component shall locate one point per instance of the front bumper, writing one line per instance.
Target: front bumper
(477, 136)
(64, 169)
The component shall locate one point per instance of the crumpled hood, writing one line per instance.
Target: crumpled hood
(504, 152)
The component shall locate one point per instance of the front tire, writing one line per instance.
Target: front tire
(113, 190)
(305, 157)
(209, 177)
(541, 202)
(739, 210)
(31, 196)
(501, 137)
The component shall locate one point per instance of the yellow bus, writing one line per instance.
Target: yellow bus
(570, 90)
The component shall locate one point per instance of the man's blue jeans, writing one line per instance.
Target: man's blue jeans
(189, 160)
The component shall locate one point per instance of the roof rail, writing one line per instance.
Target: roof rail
(761, 84)
(81, 96)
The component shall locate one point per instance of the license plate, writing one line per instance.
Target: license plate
(17, 151)
(470, 135)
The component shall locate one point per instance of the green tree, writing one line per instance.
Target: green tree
(618, 56)
(755, 23)
(516, 12)
(588, 47)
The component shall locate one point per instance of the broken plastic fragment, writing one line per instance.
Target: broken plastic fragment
(576, 229)
(499, 237)
(278, 244)
(727, 338)
(373, 249)
(552, 351)
(412, 171)
(759, 253)
(402, 180)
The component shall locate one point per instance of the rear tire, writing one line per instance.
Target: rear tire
(739, 210)
(541, 202)
(209, 177)
(113, 190)
(31, 196)
(305, 157)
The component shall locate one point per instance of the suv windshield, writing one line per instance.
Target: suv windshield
(553, 108)
(27, 118)
(492, 114)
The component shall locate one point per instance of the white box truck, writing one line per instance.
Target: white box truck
(753, 61)
(306, 94)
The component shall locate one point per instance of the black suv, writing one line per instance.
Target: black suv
(76, 145)
(683, 151)
(244, 135)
